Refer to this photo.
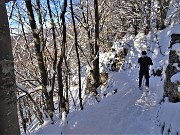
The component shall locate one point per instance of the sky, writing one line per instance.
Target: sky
(21, 4)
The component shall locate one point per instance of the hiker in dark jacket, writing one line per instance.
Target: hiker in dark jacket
(144, 62)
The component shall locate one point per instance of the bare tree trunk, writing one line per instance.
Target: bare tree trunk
(96, 46)
(8, 103)
(50, 106)
(60, 63)
(148, 17)
(66, 69)
(89, 33)
(67, 87)
(135, 24)
(78, 58)
(55, 52)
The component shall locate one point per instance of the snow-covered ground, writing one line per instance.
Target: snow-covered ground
(130, 110)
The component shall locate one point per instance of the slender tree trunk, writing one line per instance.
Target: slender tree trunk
(96, 46)
(41, 37)
(55, 52)
(8, 103)
(77, 52)
(148, 17)
(60, 63)
(66, 70)
(89, 32)
(67, 88)
(41, 33)
(135, 24)
(43, 74)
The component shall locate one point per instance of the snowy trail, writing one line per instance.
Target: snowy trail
(130, 111)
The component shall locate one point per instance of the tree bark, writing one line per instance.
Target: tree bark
(55, 52)
(62, 107)
(78, 57)
(8, 103)
(96, 45)
(148, 17)
(43, 73)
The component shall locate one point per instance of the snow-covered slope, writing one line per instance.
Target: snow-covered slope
(130, 110)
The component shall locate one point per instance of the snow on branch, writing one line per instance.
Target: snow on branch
(27, 92)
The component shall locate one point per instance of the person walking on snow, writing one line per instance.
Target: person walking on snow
(144, 62)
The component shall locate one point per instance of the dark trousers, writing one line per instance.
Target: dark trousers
(146, 74)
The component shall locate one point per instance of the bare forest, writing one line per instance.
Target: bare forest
(55, 44)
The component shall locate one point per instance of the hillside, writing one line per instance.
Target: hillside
(76, 67)
(130, 110)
